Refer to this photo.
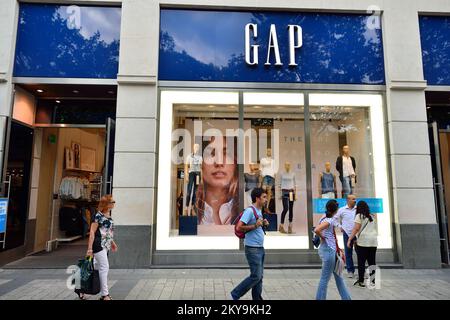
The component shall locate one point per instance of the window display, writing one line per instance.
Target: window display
(218, 146)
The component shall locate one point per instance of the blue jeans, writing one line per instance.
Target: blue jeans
(255, 258)
(192, 184)
(348, 254)
(347, 187)
(287, 205)
(328, 256)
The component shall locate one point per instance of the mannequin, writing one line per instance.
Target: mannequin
(327, 183)
(252, 180)
(268, 174)
(346, 166)
(192, 176)
(289, 195)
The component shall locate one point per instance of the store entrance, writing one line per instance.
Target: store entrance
(438, 110)
(18, 173)
(70, 166)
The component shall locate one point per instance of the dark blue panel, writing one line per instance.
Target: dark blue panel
(67, 41)
(435, 38)
(210, 46)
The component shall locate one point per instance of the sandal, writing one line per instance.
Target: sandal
(81, 296)
(103, 297)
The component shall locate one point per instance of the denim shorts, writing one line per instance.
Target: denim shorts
(268, 181)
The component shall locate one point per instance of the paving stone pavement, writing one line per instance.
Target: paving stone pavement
(213, 284)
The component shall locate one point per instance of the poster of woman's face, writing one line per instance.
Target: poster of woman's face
(217, 195)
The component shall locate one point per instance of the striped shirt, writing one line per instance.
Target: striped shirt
(328, 233)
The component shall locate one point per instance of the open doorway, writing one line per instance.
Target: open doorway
(70, 158)
(438, 111)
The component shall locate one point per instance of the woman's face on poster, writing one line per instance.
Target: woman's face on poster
(219, 163)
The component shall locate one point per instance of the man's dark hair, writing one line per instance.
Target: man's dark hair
(332, 206)
(257, 193)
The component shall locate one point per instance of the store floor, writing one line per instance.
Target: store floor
(65, 255)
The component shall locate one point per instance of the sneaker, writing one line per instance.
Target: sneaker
(281, 229)
(351, 275)
(359, 284)
(290, 229)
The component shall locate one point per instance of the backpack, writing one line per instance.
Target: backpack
(240, 234)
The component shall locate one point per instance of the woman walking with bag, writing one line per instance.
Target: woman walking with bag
(331, 254)
(101, 241)
(366, 234)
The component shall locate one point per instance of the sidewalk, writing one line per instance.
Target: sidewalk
(215, 284)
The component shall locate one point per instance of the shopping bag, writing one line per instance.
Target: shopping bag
(340, 263)
(86, 278)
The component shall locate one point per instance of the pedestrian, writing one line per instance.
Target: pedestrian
(327, 252)
(101, 241)
(254, 246)
(366, 234)
(345, 219)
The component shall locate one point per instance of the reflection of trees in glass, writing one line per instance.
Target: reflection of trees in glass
(336, 49)
(46, 47)
(435, 36)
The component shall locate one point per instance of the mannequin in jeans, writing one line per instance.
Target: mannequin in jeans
(289, 195)
(346, 166)
(192, 176)
(268, 174)
(252, 180)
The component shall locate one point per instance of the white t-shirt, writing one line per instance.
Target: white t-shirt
(347, 166)
(267, 168)
(195, 163)
(368, 236)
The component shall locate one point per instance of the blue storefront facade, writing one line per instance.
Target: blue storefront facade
(288, 86)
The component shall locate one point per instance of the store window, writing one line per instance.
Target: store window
(224, 144)
(198, 181)
(348, 155)
(276, 152)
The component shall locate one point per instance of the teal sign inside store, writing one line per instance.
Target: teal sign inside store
(375, 204)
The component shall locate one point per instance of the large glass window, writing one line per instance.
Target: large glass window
(276, 154)
(348, 155)
(224, 144)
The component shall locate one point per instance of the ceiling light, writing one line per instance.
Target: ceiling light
(57, 101)
(76, 91)
(111, 92)
(40, 90)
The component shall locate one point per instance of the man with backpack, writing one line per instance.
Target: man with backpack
(249, 226)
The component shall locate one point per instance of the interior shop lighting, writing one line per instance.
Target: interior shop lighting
(39, 90)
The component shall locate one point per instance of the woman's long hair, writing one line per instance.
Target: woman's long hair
(362, 208)
(232, 193)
